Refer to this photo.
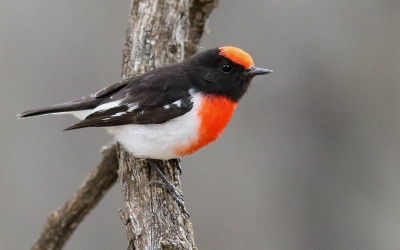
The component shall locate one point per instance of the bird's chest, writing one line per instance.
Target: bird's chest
(214, 114)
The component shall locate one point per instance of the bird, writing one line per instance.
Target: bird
(169, 112)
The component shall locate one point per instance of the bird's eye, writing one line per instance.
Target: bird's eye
(226, 67)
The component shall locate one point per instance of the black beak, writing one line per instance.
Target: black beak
(253, 71)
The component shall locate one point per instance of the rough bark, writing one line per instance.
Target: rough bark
(152, 217)
(160, 32)
(61, 223)
(199, 12)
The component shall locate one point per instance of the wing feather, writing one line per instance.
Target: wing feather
(151, 98)
(124, 114)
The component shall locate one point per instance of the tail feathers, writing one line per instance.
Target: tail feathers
(42, 111)
(78, 105)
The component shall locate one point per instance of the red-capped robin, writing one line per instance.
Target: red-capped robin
(171, 111)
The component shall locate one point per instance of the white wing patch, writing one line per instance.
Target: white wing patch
(132, 107)
(118, 114)
(81, 114)
(106, 106)
(178, 103)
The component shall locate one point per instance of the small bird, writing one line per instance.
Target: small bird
(171, 111)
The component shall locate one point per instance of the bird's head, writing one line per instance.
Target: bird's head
(225, 71)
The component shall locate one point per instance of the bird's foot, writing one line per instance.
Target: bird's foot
(166, 184)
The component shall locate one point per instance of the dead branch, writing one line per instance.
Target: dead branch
(61, 223)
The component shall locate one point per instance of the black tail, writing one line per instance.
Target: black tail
(44, 111)
(83, 103)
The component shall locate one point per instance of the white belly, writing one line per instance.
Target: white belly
(159, 141)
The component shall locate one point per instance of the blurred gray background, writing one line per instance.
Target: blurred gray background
(309, 161)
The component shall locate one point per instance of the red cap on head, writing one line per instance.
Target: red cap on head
(237, 55)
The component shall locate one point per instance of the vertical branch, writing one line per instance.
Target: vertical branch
(152, 218)
(199, 12)
(157, 35)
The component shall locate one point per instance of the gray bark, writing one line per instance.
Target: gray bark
(160, 32)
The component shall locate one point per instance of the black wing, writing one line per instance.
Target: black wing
(124, 114)
(147, 99)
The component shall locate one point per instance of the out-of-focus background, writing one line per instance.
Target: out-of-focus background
(311, 159)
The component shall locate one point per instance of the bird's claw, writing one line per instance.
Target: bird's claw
(176, 195)
(164, 183)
